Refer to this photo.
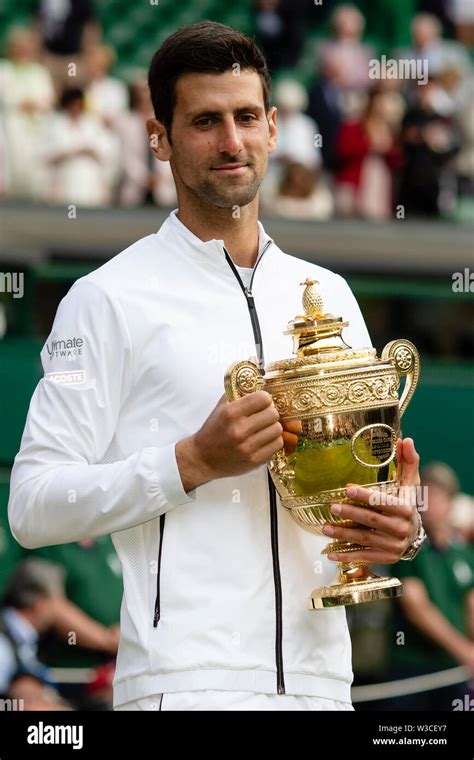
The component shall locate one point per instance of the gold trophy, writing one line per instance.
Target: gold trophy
(340, 412)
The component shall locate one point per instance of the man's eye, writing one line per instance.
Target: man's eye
(203, 122)
(248, 116)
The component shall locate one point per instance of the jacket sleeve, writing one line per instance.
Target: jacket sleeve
(61, 490)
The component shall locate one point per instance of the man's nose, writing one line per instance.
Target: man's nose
(229, 139)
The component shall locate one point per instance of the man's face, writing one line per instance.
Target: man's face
(221, 137)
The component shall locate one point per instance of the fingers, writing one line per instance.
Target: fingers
(293, 426)
(250, 404)
(266, 436)
(397, 526)
(261, 420)
(291, 442)
(367, 538)
(371, 556)
(384, 502)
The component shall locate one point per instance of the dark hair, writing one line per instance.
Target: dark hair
(32, 578)
(203, 47)
(70, 95)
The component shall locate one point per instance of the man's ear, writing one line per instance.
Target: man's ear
(158, 139)
(272, 126)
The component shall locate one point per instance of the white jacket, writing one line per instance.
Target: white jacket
(215, 581)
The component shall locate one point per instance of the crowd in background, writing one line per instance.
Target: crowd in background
(356, 142)
(348, 145)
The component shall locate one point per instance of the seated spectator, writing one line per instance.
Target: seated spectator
(348, 27)
(429, 141)
(66, 28)
(436, 612)
(28, 610)
(441, 55)
(462, 15)
(90, 608)
(26, 94)
(280, 29)
(80, 156)
(105, 96)
(144, 179)
(326, 104)
(303, 195)
(297, 136)
(366, 156)
(465, 158)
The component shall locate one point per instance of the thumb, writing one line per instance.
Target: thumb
(409, 461)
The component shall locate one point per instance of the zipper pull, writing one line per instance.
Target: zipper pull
(156, 616)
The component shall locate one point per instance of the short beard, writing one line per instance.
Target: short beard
(228, 197)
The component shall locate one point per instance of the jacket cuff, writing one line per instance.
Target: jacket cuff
(169, 477)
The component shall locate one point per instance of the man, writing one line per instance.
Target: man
(128, 439)
(29, 610)
(436, 613)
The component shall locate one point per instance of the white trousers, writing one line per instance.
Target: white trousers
(231, 700)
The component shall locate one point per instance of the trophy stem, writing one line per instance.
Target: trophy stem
(355, 583)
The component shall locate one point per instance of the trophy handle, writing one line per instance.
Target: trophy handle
(241, 379)
(406, 361)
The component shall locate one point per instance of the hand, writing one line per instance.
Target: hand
(240, 435)
(390, 529)
(237, 437)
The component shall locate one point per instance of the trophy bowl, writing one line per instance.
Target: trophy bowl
(340, 410)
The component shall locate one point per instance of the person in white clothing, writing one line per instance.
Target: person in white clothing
(79, 156)
(129, 432)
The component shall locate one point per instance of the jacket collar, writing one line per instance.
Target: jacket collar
(213, 248)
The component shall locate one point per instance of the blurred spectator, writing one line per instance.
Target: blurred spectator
(297, 140)
(29, 609)
(442, 9)
(348, 26)
(436, 612)
(462, 517)
(462, 14)
(456, 16)
(91, 607)
(366, 156)
(105, 96)
(303, 195)
(26, 93)
(441, 55)
(429, 142)
(67, 28)
(280, 29)
(465, 157)
(80, 156)
(144, 179)
(326, 104)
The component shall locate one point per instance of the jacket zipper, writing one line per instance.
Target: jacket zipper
(157, 613)
(271, 487)
(273, 504)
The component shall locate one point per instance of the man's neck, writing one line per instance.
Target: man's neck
(236, 226)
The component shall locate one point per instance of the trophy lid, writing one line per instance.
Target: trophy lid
(317, 338)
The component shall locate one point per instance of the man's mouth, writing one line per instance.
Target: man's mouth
(230, 169)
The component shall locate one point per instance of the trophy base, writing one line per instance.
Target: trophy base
(366, 587)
